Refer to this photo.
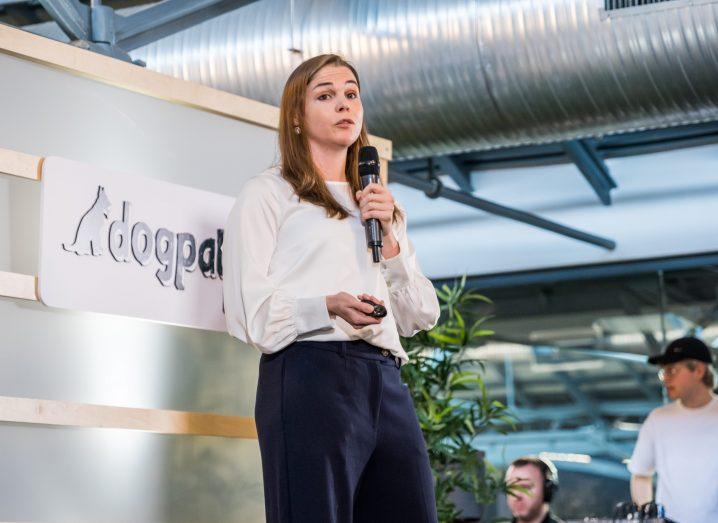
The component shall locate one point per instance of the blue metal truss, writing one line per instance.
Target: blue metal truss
(457, 170)
(588, 155)
(585, 272)
(433, 188)
(102, 30)
(584, 154)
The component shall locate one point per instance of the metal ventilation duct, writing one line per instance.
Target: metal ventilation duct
(445, 76)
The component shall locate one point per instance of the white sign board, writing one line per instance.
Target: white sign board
(131, 246)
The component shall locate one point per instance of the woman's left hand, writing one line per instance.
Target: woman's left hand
(375, 201)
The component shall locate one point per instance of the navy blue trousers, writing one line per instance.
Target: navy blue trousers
(339, 438)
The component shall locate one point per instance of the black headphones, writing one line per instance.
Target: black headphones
(550, 474)
(548, 471)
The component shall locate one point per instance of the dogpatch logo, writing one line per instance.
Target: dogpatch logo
(87, 237)
(176, 253)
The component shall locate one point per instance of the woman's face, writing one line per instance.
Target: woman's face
(333, 113)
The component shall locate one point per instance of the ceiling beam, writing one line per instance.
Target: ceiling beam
(167, 18)
(456, 170)
(433, 188)
(98, 28)
(611, 146)
(594, 169)
(585, 272)
(72, 17)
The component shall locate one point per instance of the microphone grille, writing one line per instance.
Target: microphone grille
(368, 161)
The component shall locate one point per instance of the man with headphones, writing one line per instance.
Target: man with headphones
(536, 481)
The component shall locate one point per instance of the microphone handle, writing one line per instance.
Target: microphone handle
(372, 227)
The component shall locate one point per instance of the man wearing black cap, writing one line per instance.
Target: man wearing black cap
(679, 441)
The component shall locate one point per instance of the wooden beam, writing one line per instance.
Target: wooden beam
(66, 414)
(20, 164)
(14, 285)
(384, 170)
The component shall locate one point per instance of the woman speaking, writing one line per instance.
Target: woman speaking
(338, 435)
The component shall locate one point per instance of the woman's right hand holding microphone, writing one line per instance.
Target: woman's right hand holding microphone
(352, 310)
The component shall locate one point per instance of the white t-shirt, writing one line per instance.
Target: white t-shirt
(282, 257)
(681, 446)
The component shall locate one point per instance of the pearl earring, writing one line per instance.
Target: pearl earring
(297, 130)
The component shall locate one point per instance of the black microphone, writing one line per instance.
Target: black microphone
(369, 173)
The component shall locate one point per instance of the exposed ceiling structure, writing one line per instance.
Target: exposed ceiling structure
(589, 155)
(455, 83)
(462, 75)
(28, 12)
(99, 28)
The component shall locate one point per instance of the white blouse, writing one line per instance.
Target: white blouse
(282, 257)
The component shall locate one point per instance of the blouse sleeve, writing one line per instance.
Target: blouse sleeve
(257, 310)
(412, 295)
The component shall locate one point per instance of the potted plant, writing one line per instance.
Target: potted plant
(452, 403)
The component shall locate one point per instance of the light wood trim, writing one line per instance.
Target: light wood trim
(384, 170)
(14, 285)
(383, 147)
(50, 412)
(121, 74)
(20, 164)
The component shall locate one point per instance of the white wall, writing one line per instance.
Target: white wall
(88, 475)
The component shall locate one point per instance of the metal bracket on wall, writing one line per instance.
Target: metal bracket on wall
(494, 208)
(98, 28)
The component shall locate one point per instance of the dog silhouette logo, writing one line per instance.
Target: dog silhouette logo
(87, 237)
(177, 253)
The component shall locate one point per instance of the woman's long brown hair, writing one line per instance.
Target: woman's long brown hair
(297, 165)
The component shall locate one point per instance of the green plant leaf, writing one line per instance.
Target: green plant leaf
(484, 332)
(451, 399)
(442, 338)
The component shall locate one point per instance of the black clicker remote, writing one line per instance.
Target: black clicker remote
(379, 310)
